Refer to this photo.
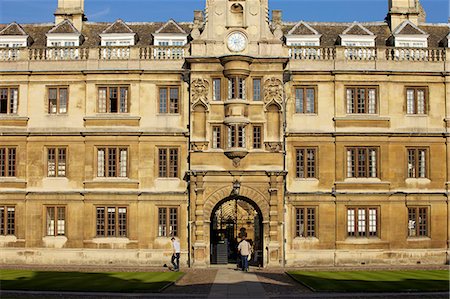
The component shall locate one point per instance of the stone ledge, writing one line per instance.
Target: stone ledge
(13, 183)
(112, 120)
(112, 183)
(343, 122)
(13, 121)
(355, 185)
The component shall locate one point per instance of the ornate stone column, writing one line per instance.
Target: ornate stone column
(199, 242)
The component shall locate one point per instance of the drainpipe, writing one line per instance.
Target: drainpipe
(286, 79)
(187, 79)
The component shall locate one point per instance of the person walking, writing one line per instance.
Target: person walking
(245, 250)
(176, 254)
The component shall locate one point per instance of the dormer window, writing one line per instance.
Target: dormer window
(356, 38)
(118, 34)
(170, 34)
(12, 37)
(63, 35)
(408, 35)
(303, 34)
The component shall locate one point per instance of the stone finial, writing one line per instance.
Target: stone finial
(198, 24)
(277, 19)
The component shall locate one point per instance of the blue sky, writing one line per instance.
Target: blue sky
(34, 11)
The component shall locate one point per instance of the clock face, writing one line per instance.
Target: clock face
(237, 42)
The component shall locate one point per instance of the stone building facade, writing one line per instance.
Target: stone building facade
(324, 143)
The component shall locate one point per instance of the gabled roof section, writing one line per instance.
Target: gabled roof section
(13, 29)
(301, 28)
(357, 29)
(171, 27)
(118, 26)
(408, 28)
(65, 26)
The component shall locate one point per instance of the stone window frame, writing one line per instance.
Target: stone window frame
(307, 232)
(56, 219)
(306, 172)
(355, 161)
(417, 174)
(107, 105)
(236, 133)
(261, 89)
(7, 226)
(418, 228)
(426, 103)
(214, 95)
(119, 231)
(106, 164)
(220, 140)
(57, 150)
(367, 105)
(8, 169)
(166, 221)
(239, 88)
(12, 108)
(357, 221)
(261, 136)
(166, 172)
(305, 88)
(58, 99)
(169, 110)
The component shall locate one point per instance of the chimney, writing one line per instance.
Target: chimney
(72, 10)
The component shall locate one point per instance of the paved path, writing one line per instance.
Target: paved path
(236, 284)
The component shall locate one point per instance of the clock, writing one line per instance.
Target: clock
(237, 42)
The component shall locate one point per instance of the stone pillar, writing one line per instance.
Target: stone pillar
(199, 242)
(275, 249)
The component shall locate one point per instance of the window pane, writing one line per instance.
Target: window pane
(123, 100)
(13, 100)
(423, 222)
(361, 222)
(361, 108)
(102, 100)
(350, 100)
(411, 163)
(162, 163)
(112, 162)
(3, 162)
(412, 222)
(372, 222)
(372, 101)
(3, 100)
(421, 101)
(217, 137)
(173, 218)
(310, 100)
(101, 162)
(162, 220)
(311, 214)
(12, 162)
(113, 100)
(63, 100)
(174, 100)
(100, 221)
(112, 222)
(51, 162)
(301, 163)
(256, 137)
(62, 162)
(300, 222)
(123, 162)
(2, 220)
(351, 222)
(410, 105)
(299, 100)
(52, 100)
(163, 100)
(50, 221)
(10, 222)
(256, 89)
(372, 163)
(422, 163)
(61, 221)
(217, 89)
(122, 222)
(173, 163)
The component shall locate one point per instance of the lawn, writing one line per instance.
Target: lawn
(374, 281)
(128, 282)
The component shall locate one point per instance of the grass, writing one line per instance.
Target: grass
(374, 281)
(129, 282)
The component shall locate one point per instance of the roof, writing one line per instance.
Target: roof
(171, 27)
(408, 28)
(357, 29)
(13, 29)
(302, 29)
(144, 30)
(65, 26)
(118, 27)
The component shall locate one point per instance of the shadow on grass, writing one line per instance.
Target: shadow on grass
(321, 284)
(89, 282)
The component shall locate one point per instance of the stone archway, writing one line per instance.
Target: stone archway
(232, 219)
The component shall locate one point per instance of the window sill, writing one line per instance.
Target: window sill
(12, 182)
(305, 114)
(112, 119)
(362, 241)
(8, 239)
(362, 183)
(13, 121)
(418, 239)
(110, 240)
(306, 240)
(419, 181)
(111, 183)
(300, 180)
(54, 241)
(362, 120)
(168, 179)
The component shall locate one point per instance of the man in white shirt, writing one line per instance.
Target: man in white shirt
(176, 254)
(245, 250)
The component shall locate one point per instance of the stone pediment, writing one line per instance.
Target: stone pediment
(118, 26)
(357, 29)
(303, 28)
(171, 27)
(408, 28)
(65, 26)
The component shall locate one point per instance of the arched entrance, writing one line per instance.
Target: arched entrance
(231, 219)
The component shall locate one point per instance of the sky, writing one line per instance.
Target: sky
(38, 11)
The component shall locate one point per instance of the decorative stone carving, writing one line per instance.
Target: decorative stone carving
(199, 146)
(273, 91)
(273, 147)
(199, 89)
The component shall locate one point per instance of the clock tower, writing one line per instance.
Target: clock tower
(236, 125)
(235, 27)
